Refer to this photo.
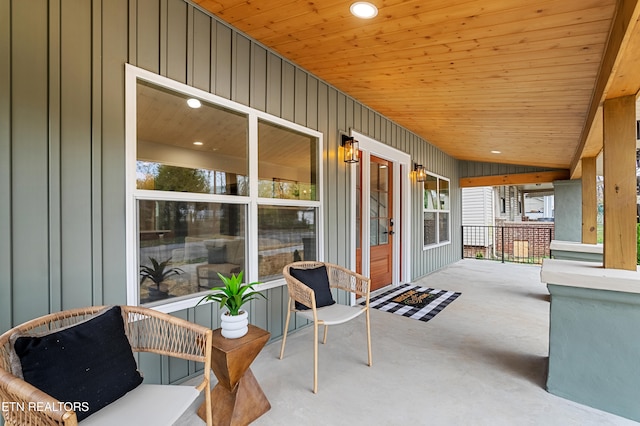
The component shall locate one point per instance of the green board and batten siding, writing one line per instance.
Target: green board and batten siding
(5, 168)
(62, 147)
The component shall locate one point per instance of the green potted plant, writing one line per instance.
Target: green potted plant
(158, 272)
(233, 295)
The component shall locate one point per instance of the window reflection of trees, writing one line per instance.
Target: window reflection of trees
(204, 237)
(162, 177)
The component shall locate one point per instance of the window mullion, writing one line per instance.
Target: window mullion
(207, 217)
(252, 220)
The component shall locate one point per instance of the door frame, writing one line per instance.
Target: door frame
(401, 179)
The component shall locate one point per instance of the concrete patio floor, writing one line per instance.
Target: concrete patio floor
(481, 361)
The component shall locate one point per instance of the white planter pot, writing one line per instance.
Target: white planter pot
(234, 326)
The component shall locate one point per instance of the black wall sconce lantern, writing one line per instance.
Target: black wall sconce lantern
(350, 146)
(421, 174)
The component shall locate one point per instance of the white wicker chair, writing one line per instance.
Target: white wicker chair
(339, 278)
(147, 330)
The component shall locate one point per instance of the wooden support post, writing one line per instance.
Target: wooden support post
(589, 201)
(620, 183)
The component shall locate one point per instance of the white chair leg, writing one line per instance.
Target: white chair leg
(286, 329)
(315, 357)
(369, 337)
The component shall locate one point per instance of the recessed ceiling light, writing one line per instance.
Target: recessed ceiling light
(363, 9)
(197, 143)
(194, 103)
(496, 152)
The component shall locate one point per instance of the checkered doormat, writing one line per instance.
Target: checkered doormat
(413, 301)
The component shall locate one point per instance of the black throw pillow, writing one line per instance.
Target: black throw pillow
(90, 363)
(318, 280)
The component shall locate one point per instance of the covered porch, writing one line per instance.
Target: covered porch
(482, 360)
(478, 93)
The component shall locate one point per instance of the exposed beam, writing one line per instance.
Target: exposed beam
(515, 179)
(620, 36)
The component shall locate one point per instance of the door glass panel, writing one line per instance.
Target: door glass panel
(383, 231)
(373, 204)
(379, 201)
(383, 178)
(382, 206)
(374, 233)
(373, 182)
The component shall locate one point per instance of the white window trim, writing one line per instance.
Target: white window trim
(132, 75)
(444, 243)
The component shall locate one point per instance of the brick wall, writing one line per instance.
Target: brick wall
(525, 239)
(526, 242)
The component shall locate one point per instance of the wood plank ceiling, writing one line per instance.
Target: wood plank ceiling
(471, 77)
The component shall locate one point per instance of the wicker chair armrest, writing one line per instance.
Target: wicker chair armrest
(22, 404)
(339, 277)
(300, 292)
(153, 331)
(348, 280)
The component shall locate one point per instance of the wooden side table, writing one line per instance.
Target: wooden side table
(237, 398)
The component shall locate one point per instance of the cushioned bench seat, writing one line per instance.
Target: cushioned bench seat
(146, 405)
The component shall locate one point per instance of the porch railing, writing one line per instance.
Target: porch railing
(508, 243)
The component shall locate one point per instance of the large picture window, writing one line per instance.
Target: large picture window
(287, 171)
(186, 149)
(436, 211)
(213, 187)
(287, 163)
(189, 243)
(285, 234)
